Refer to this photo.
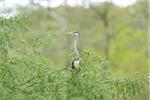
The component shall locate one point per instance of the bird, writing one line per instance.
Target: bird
(76, 59)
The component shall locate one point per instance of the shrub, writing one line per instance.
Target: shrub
(32, 76)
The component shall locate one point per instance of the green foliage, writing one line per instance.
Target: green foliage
(32, 54)
(32, 77)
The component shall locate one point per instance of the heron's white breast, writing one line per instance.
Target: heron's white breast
(76, 63)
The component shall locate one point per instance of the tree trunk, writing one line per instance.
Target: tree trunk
(106, 30)
(103, 15)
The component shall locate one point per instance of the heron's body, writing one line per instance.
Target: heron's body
(75, 63)
(76, 59)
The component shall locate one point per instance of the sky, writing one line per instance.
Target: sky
(54, 3)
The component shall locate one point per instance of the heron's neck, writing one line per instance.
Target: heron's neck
(76, 47)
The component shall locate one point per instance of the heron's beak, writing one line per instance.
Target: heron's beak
(68, 33)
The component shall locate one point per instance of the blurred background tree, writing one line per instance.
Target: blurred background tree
(117, 33)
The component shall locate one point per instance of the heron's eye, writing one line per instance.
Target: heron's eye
(75, 34)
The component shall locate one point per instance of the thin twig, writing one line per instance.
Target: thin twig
(40, 76)
(29, 80)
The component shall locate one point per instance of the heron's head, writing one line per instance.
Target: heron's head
(74, 34)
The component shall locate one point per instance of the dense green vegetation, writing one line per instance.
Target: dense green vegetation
(114, 53)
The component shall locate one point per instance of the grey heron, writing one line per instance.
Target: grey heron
(76, 61)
